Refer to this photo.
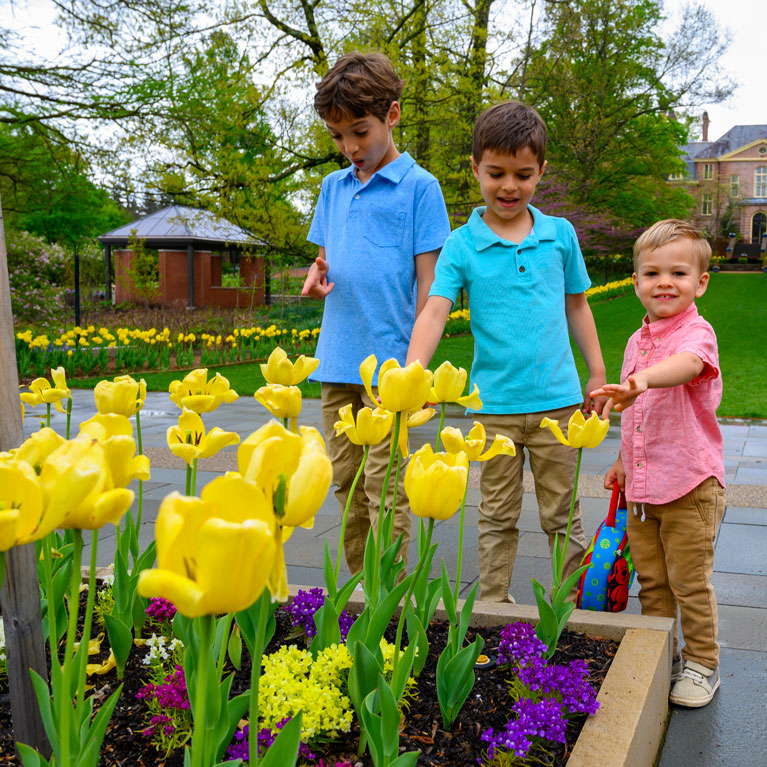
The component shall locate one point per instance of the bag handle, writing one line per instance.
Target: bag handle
(617, 501)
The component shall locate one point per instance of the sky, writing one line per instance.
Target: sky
(744, 60)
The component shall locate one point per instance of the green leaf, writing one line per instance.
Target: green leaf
(120, 640)
(30, 757)
(328, 631)
(417, 637)
(234, 648)
(404, 668)
(382, 616)
(146, 559)
(455, 678)
(447, 596)
(408, 759)
(342, 596)
(284, 751)
(465, 618)
(329, 572)
(359, 628)
(564, 590)
(363, 675)
(42, 693)
(95, 736)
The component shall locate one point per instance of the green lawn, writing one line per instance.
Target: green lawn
(735, 304)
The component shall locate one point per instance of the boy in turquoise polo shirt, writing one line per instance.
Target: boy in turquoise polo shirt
(379, 225)
(526, 280)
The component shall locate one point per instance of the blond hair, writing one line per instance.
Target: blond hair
(663, 232)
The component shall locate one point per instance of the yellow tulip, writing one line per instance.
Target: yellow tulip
(449, 383)
(115, 434)
(370, 428)
(75, 481)
(268, 453)
(309, 484)
(399, 389)
(454, 442)
(188, 439)
(21, 503)
(435, 483)
(280, 370)
(213, 556)
(123, 396)
(38, 447)
(195, 392)
(412, 421)
(580, 431)
(41, 392)
(281, 401)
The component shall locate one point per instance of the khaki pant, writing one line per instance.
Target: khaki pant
(346, 459)
(673, 553)
(553, 467)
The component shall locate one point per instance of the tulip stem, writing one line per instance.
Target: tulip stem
(53, 631)
(460, 540)
(406, 601)
(382, 508)
(69, 414)
(443, 406)
(199, 739)
(394, 491)
(345, 519)
(65, 702)
(188, 479)
(86, 637)
(194, 477)
(255, 677)
(140, 482)
(569, 521)
(48, 414)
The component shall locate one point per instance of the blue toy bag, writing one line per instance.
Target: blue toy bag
(604, 587)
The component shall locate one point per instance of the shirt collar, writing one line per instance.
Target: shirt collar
(662, 327)
(393, 171)
(484, 237)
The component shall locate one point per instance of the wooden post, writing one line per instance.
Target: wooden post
(20, 595)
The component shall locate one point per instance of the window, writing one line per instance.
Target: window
(734, 186)
(707, 204)
(708, 171)
(676, 177)
(760, 182)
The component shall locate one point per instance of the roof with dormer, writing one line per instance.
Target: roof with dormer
(737, 137)
(180, 226)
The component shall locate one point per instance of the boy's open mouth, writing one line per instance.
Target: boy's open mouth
(507, 202)
(664, 296)
(359, 162)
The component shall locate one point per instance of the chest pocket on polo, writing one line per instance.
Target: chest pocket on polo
(383, 227)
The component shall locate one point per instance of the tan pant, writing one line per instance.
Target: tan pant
(553, 467)
(346, 458)
(673, 553)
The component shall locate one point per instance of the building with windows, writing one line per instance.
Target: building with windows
(728, 178)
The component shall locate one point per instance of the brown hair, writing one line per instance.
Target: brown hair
(356, 85)
(509, 127)
(663, 232)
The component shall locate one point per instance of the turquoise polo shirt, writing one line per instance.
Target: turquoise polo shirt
(523, 362)
(372, 233)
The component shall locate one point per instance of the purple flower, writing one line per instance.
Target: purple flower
(569, 683)
(161, 721)
(170, 693)
(519, 643)
(303, 607)
(239, 748)
(161, 609)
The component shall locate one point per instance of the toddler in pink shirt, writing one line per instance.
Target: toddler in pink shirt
(671, 461)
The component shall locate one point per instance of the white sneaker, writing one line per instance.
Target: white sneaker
(676, 668)
(696, 686)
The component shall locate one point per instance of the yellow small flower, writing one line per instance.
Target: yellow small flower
(188, 439)
(280, 370)
(280, 401)
(41, 392)
(370, 428)
(123, 396)
(580, 431)
(399, 389)
(449, 383)
(474, 444)
(195, 392)
(435, 483)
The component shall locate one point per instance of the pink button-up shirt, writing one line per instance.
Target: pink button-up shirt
(670, 438)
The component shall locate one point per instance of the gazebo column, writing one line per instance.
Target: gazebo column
(190, 275)
(108, 272)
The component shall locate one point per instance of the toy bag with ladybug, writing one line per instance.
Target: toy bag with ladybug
(605, 585)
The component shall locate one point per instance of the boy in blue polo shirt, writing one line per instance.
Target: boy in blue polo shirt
(526, 281)
(379, 225)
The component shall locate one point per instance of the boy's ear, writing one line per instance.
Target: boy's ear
(636, 283)
(474, 167)
(543, 168)
(702, 284)
(393, 117)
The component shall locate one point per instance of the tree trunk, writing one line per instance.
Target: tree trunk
(20, 595)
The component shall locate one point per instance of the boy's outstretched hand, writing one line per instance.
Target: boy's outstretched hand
(316, 283)
(622, 395)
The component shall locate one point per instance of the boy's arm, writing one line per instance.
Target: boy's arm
(316, 283)
(675, 370)
(616, 473)
(580, 320)
(428, 330)
(424, 276)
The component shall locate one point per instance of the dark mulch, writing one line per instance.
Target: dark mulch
(487, 706)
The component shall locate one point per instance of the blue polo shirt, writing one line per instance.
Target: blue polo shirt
(523, 362)
(371, 234)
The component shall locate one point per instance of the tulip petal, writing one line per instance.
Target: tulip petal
(9, 520)
(367, 370)
(184, 593)
(471, 401)
(555, 430)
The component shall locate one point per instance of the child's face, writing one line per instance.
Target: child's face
(668, 279)
(366, 141)
(507, 183)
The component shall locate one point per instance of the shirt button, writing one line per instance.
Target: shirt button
(643, 352)
(639, 464)
(356, 197)
(521, 268)
(639, 428)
